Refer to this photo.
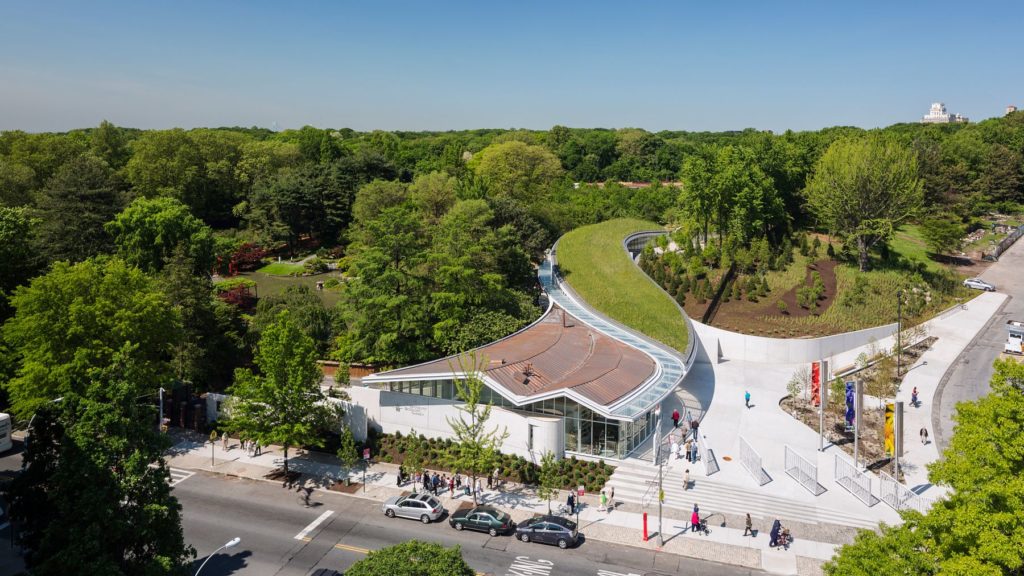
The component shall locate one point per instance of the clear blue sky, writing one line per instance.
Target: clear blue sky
(419, 65)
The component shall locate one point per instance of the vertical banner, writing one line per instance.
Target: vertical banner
(826, 378)
(898, 429)
(816, 383)
(890, 429)
(850, 412)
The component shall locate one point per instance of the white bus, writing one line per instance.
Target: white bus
(5, 432)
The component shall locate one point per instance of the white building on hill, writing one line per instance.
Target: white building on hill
(939, 115)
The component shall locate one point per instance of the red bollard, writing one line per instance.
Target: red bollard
(645, 526)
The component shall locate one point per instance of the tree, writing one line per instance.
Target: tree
(95, 497)
(18, 259)
(71, 322)
(149, 230)
(549, 484)
(284, 403)
(943, 235)
(347, 448)
(305, 309)
(412, 558)
(478, 447)
(74, 205)
(108, 142)
(863, 189)
(517, 170)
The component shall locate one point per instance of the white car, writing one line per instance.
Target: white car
(979, 284)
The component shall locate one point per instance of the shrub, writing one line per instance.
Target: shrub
(781, 305)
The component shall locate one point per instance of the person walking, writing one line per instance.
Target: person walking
(693, 453)
(686, 479)
(746, 398)
(479, 489)
(686, 449)
(604, 502)
(913, 397)
(497, 480)
(451, 487)
(224, 440)
(611, 498)
(750, 526)
(924, 436)
(675, 418)
(694, 520)
(774, 534)
(570, 502)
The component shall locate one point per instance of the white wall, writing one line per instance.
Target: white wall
(724, 345)
(397, 412)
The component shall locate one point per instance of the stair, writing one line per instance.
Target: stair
(631, 483)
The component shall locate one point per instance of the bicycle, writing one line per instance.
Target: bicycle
(304, 496)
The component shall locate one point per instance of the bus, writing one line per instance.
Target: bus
(5, 432)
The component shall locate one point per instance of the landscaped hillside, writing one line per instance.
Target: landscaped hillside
(599, 269)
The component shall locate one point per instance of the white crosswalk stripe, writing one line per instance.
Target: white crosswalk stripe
(178, 475)
(631, 482)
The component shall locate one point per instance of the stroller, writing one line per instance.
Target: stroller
(702, 527)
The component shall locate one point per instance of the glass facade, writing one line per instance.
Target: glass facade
(586, 432)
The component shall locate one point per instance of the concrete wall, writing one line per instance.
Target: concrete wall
(721, 345)
(397, 412)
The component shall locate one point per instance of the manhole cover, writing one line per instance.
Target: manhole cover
(727, 458)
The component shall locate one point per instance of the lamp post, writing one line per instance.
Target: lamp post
(657, 460)
(230, 544)
(899, 332)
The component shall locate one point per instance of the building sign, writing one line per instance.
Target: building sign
(816, 383)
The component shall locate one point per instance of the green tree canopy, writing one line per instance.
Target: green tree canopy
(284, 403)
(18, 258)
(863, 189)
(413, 558)
(943, 235)
(71, 322)
(517, 170)
(477, 446)
(149, 230)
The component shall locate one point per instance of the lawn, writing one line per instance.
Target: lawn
(909, 243)
(594, 262)
(282, 269)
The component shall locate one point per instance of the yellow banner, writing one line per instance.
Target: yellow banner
(890, 429)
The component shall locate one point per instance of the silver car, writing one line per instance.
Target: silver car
(422, 507)
(979, 284)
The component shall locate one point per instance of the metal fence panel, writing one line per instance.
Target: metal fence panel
(751, 460)
(803, 471)
(856, 482)
(1005, 244)
(899, 497)
(707, 455)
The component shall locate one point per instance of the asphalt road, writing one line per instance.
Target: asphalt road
(968, 377)
(268, 519)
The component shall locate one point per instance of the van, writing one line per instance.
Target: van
(5, 433)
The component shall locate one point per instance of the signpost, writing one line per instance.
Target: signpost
(366, 464)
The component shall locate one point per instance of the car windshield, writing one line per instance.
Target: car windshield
(569, 524)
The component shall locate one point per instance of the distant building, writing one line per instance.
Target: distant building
(938, 115)
(1011, 109)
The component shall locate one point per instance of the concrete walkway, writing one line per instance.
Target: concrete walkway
(623, 525)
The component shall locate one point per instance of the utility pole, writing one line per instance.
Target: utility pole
(657, 460)
(899, 333)
(858, 401)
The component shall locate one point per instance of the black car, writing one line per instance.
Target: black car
(548, 530)
(484, 519)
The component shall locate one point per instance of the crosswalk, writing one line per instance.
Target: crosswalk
(178, 476)
(632, 482)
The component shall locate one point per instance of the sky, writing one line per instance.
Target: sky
(682, 65)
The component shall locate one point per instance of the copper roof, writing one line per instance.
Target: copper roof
(557, 352)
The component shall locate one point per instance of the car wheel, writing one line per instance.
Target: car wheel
(524, 537)
(425, 519)
(458, 526)
(492, 532)
(563, 543)
(389, 513)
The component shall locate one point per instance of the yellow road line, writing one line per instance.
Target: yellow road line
(351, 548)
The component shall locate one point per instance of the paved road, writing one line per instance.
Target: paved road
(268, 519)
(967, 378)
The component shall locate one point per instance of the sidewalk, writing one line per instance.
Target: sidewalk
(623, 525)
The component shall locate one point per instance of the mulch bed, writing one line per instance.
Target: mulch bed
(827, 270)
(292, 477)
(352, 488)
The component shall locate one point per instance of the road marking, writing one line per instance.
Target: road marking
(312, 525)
(177, 475)
(524, 566)
(610, 573)
(352, 548)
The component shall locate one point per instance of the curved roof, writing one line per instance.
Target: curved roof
(557, 353)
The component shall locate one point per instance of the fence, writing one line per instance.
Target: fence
(899, 497)
(707, 455)
(751, 460)
(1004, 244)
(856, 482)
(801, 470)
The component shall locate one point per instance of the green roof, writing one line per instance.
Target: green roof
(594, 262)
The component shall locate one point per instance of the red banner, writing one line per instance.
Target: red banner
(816, 383)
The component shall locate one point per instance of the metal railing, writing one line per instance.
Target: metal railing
(856, 482)
(803, 471)
(899, 497)
(1004, 244)
(751, 460)
(707, 455)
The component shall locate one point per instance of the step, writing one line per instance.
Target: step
(631, 484)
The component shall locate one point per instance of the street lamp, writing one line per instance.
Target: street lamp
(899, 332)
(657, 460)
(230, 544)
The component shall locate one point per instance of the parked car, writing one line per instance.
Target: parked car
(548, 530)
(979, 284)
(422, 507)
(483, 519)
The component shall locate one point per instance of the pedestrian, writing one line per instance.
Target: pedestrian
(693, 428)
(451, 488)
(693, 453)
(490, 481)
(746, 398)
(479, 489)
(675, 419)
(458, 480)
(570, 502)
(924, 435)
(604, 502)
(426, 481)
(306, 493)
(224, 440)
(436, 483)
(686, 449)
(497, 480)
(258, 450)
(611, 495)
(774, 534)
(694, 520)
(913, 397)
(686, 479)
(398, 480)
(750, 526)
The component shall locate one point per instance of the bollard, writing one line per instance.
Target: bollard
(645, 526)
